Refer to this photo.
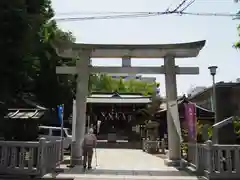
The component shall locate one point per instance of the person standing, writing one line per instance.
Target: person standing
(89, 143)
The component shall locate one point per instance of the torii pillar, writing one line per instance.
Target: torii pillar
(167, 51)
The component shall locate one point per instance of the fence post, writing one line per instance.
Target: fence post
(143, 144)
(41, 154)
(208, 158)
(199, 159)
(162, 143)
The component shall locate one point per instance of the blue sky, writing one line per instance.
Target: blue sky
(219, 32)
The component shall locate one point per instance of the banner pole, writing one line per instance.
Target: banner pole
(61, 109)
(62, 126)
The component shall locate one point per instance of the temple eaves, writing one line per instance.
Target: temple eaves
(179, 50)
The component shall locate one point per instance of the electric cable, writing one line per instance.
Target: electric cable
(146, 14)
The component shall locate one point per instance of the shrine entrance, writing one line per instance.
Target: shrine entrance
(168, 52)
(115, 116)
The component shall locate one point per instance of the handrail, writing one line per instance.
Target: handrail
(216, 161)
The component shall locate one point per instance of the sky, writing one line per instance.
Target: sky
(219, 32)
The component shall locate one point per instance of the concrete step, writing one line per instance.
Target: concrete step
(122, 177)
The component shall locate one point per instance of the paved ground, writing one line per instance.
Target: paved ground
(126, 164)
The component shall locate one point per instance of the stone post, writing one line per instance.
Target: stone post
(174, 148)
(209, 158)
(41, 155)
(81, 103)
(162, 143)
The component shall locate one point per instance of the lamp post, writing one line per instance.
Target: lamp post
(213, 70)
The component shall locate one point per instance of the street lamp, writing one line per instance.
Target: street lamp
(213, 70)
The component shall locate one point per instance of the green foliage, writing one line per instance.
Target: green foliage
(140, 86)
(105, 83)
(149, 112)
(29, 60)
(237, 44)
(210, 132)
(236, 124)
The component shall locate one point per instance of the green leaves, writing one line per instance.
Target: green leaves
(29, 60)
(237, 44)
(105, 83)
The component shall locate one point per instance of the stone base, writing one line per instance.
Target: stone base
(174, 163)
(59, 170)
(76, 162)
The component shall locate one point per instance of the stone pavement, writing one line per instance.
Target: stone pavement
(126, 164)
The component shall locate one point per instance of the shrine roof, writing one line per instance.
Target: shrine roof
(117, 95)
(111, 95)
(111, 100)
(178, 50)
(25, 113)
(202, 112)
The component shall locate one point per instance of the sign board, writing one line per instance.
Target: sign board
(173, 108)
(190, 117)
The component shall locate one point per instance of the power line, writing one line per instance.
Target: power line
(140, 15)
(145, 14)
(188, 5)
(97, 13)
(210, 14)
(111, 12)
(179, 5)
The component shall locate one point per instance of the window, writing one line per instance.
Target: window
(56, 132)
(43, 131)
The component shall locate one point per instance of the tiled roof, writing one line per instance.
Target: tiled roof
(119, 100)
(24, 113)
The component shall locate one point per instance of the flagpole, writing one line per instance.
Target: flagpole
(61, 109)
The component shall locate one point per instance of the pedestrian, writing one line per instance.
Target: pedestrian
(89, 143)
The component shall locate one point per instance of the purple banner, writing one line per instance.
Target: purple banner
(191, 120)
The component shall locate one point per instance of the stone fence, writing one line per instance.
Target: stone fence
(215, 161)
(29, 158)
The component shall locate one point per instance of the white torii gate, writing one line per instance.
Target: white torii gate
(83, 68)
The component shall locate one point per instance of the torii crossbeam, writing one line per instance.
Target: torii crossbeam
(83, 68)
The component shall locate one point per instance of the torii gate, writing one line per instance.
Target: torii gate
(83, 68)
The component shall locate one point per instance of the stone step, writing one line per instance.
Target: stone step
(122, 177)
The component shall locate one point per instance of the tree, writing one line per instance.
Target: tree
(149, 112)
(138, 86)
(29, 60)
(121, 86)
(105, 83)
(237, 44)
(19, 24)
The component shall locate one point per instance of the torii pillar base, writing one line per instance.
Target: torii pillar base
(174, 163)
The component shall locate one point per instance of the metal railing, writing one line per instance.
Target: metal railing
(215, 161)
(29, 158)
